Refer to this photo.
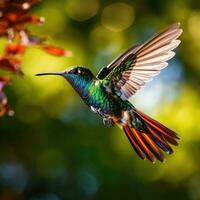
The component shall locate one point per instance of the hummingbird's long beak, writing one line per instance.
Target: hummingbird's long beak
(51, 73)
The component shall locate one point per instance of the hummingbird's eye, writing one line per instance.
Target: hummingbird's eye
(75, 71)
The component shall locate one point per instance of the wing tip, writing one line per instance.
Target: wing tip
(178, 24)
(175, 25)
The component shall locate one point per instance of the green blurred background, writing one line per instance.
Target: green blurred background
(54, 148)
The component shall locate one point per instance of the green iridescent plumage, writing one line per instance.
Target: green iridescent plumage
(108, 93)
(93, 92)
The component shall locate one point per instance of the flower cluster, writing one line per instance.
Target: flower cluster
(14, 17)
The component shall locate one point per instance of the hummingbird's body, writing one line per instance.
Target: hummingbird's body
(94, 94)
(108, 93)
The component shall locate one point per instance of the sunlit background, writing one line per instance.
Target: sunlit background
(54, 148)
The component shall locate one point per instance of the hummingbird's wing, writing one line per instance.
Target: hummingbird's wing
(116, 62)
(139, 64)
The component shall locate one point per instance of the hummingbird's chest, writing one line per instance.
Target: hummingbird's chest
(98, 99)
(101, 102)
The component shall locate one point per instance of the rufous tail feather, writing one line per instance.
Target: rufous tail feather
(153, 140)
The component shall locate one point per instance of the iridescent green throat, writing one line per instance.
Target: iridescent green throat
(81, 84)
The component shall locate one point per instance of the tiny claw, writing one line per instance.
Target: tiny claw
(108, 121)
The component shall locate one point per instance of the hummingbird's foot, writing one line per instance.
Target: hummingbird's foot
(108, 121)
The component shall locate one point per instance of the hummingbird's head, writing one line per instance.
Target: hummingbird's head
(75, 75)
(70, 72)
(78, 72)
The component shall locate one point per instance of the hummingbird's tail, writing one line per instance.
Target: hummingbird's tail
(147, 136)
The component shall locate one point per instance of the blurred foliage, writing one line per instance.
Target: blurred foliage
(55, 148)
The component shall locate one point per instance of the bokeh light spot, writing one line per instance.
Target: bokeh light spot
(82, 10)
(193, 23)
(108, 41)
(13, 175)
(117, 16)
(88, 182)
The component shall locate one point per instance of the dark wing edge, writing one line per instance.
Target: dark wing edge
(106, 70)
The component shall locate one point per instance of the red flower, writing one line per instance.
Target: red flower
(14, 16)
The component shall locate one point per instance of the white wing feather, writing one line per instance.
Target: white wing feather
(150, 59)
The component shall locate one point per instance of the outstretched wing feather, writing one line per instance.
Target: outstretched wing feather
(139, 64)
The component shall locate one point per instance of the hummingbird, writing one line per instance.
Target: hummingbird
(108, 93)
